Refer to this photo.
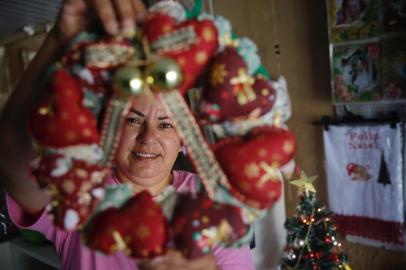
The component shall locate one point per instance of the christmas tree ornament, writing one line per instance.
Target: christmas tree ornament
(128, 81)
(304, 183)
(163, 74)
(234, 91)
(138, 228)
(200, 224)
(76, 187)
(252, 164)
(190, 43)
(61, 119)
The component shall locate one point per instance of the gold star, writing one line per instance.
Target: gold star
(81, 173)
(68, 186)
(71, 136)
(252, 170)
(167, 28)
(208, 34)
(65, 116)
(288, 147)
(262, 152)
(182, 61)
(143, 232)
(201, 57)
(218, 74)
(86, 132)
(305, 183)
(82, 119)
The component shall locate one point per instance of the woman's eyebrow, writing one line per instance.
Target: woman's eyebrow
(137, 112)
(163, 118)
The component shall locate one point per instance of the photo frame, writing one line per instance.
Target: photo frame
(353, 19)
(356, 73)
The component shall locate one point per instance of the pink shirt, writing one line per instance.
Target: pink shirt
(75, 256)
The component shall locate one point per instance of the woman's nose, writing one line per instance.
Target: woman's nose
(146, 135)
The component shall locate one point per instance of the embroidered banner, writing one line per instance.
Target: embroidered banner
(365, 182)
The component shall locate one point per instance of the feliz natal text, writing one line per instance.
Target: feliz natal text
(363, 140)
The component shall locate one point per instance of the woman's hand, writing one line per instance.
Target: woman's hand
(173, 260)
(115, 15)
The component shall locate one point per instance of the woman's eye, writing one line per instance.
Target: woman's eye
(131, 120)
(166, 125)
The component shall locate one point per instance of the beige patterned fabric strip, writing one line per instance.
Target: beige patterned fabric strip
(198, 149)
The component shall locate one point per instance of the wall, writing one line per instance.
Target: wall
(300, 29)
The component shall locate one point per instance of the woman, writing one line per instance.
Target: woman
(350, 11)
(147, 151)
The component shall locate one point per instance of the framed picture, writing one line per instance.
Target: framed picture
(356, 73)
(353, 19)
(394, 68)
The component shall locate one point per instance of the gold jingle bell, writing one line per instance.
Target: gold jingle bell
(164, 74)
(128, 81)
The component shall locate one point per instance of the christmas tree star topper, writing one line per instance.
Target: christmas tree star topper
(304, 183)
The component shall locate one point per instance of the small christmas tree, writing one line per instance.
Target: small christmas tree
(311, 236)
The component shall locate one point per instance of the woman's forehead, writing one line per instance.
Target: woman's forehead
(148, 104)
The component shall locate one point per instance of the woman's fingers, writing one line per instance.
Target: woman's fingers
(117, 15)
(125, 14)
(140, 9)
(105, 11)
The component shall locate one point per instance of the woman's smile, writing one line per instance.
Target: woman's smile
(144, 156)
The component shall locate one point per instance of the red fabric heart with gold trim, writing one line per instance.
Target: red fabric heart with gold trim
(251, 164)
(138, 228)
(199, 224)
(231, 93)
(191, 43)
(62, 120)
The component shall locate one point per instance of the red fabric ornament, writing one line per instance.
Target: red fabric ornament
(138, 228)
(75, 189)
(192, 55)
(94, 61)
(62, 120)
(233, 91)
(199, 224)
(251, 164)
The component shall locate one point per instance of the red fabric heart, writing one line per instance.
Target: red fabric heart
(231, 93)
(250, 164)
(138, 228)
(61, 120)
(75, 189)
(192, 57)
(199, 224)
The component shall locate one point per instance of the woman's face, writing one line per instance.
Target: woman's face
(149, 145)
